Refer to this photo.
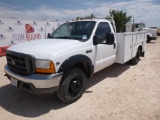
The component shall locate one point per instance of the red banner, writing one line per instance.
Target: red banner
(3, 50)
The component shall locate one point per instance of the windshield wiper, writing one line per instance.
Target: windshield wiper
(64, 37)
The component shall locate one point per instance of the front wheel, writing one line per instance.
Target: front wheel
(136, 59)
(72, 85)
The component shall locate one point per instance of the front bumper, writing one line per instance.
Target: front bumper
(36, 83)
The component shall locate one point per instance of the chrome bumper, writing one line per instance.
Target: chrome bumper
(39, 81)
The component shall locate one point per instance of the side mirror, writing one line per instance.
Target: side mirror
(109, 38)
(98, 40)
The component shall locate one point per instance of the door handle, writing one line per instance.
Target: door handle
(88, 51)
(114, 45)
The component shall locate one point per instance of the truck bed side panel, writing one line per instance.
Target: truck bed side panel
(127, 45)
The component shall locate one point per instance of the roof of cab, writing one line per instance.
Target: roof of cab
(96, 20)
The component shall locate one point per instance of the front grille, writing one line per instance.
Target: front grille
(19, 63)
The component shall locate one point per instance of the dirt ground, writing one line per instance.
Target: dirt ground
(120, 92)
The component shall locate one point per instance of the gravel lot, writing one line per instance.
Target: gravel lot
(120, 92)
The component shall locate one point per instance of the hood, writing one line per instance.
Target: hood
(42, 49)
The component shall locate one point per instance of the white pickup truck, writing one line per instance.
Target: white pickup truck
(73, 52)
(151, 32)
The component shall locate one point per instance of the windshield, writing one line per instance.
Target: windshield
(140, 25)
(80, 30)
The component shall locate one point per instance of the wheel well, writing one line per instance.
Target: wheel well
(81, 61)
(85, 67)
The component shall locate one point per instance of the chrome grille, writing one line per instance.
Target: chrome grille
(20, 63)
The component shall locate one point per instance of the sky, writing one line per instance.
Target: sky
(147, 11)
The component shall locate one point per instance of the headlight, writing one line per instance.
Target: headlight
(44, 66)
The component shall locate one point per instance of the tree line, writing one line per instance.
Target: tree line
(120, 17)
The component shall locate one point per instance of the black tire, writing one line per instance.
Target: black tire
(135, 60)
(72, 85)
(148, 39)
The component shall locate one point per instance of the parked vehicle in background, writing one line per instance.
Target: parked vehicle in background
(73, 52)
(151, 32)
(158, 31)
(139, 26)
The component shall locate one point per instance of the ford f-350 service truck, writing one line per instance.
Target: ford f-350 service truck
(151, 32)
(73, 52)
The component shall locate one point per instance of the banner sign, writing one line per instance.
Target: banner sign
(14, 31)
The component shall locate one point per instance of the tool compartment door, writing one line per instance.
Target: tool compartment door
(128, 47)
(124, 47)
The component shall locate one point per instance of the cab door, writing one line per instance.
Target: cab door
(105, 54)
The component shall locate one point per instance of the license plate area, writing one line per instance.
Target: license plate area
(14, 81)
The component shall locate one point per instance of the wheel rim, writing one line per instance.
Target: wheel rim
(75, 87)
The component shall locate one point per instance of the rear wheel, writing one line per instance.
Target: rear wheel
(148, 39)
(136, 59)
(72, 85)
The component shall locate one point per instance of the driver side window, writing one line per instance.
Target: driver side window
(102, 29)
